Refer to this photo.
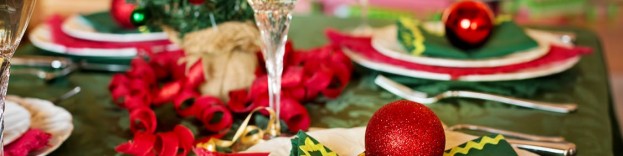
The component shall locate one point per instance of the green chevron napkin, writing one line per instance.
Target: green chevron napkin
(483, 146)
(305, 145)
(506, 38)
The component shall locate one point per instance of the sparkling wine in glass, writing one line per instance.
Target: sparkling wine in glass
(14, 17)
(272, 17)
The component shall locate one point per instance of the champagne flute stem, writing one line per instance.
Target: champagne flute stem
(273, 20)
(274, 51)
(274, 82)
(274, 66)
(273, 54)
(4, 83)
(14, 18)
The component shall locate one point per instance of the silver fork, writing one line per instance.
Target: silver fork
(412, 95)
(64, 66)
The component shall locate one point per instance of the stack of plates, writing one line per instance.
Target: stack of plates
(79, 28)
(385, 42)
(24, 113)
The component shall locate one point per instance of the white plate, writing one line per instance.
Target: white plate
(386, 42)
(544, 70)
(16, 121)
(49, 118)
(78, 27)
(350, 142)
(41, 38)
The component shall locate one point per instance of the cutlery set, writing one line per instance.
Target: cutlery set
(49, 68)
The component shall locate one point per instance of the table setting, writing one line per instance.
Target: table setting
(248, 78)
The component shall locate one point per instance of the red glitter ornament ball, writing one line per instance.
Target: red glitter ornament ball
(121, 11)
(404, 128)
(468, 24)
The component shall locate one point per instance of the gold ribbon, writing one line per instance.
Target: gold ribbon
(244, 136)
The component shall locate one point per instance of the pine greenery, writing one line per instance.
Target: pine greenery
(185, 17)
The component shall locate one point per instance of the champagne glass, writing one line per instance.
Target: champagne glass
(272, 17)
(14, 17)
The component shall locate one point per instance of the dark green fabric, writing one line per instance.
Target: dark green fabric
(506, 38)
(495, 147)
(103, 22)
(100, 125)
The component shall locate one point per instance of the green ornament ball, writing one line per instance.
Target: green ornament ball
(139, 17)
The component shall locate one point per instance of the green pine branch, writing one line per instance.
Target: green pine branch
(185, 17)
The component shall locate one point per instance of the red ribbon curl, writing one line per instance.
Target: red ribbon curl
(178, 142)
(160, 79)
(141, 145)
(167, 144)
(143, 120)
(168, 92)
(210, 114)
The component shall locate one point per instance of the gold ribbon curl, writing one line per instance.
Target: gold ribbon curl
(244, 138)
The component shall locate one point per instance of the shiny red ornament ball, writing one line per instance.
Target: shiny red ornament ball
(121, 11)
(468, 24)
(404, 128)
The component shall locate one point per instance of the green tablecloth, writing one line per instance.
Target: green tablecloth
(100, 125)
